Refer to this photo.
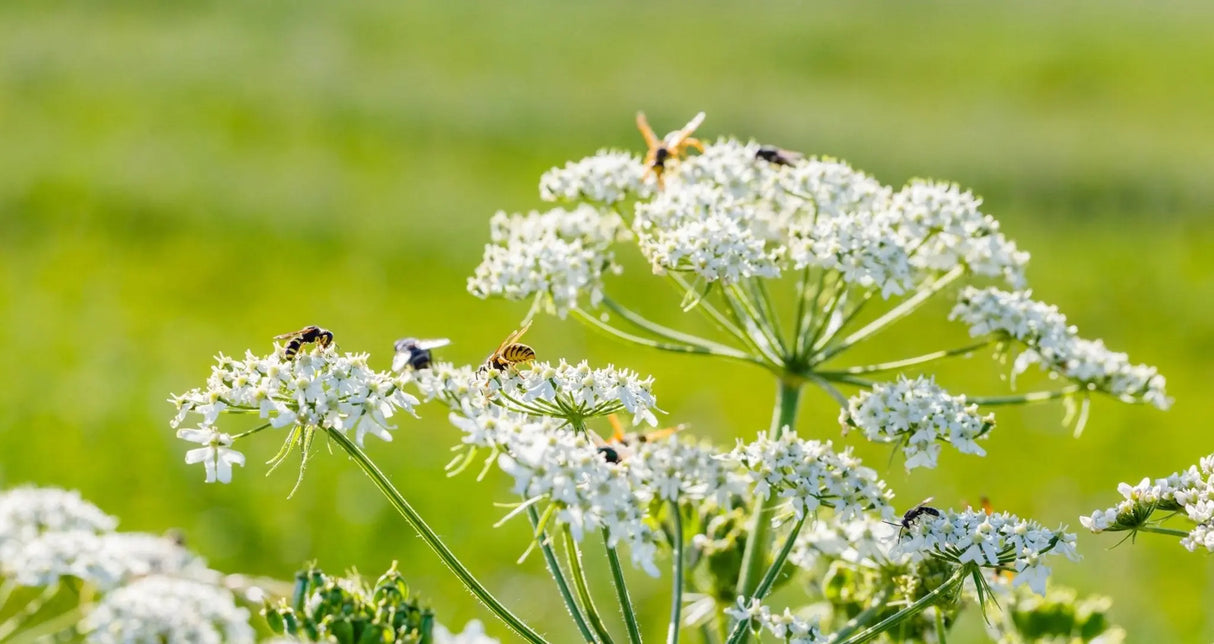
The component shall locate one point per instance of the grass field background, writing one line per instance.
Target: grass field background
(182, 179)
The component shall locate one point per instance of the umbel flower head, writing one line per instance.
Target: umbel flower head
(1056, 346)
(28, 512)
(1000, 540)
(320, 390)
(919, 415)
(785, 627)
(1190, 491)
(571, 392)
(165, 609)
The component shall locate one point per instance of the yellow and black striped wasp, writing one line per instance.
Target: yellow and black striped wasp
(510, 352)
(672, 146)
(621, 445)
(322, 337)
(415, 353)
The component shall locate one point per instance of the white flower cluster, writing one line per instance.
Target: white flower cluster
(162, 609)
(866, 540)
(703, 230)
(1000, 540)
(785, 627)
(1191, 490)
(678, 470)
(586, 492)
(608, 177)
(28, 512)
(917, 413)
(810, 475)
(105, 561)
(947, 229)
(865, 250)
(573, 392)
(1057, 347)
(321, 389)
(559, 255)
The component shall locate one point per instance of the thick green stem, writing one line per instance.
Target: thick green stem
(554, 567)
(621, 591)
(1159, 530)
(773, 572)
(676, 593)
(574, 555)
(910, 611)
(941, 631)
(431, 538)
(758, 541)
(18, 619)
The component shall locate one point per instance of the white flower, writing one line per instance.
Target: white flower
(1190, 491)
(217, 456)
(673, 470)
(27, 512)
(607, 177)
(865, 540)
(947, 229)
(103, 560)
(560, 255)
(917, 413)
(809, 474)
(1056, 346)
(572, 392)
(998, 540)
(786, 626)
(161, 609)
(320, 389)
(864, 248)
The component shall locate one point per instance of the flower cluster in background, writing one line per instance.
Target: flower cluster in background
(1190, 492)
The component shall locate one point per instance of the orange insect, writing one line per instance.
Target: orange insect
(672, 146)
(620, 446)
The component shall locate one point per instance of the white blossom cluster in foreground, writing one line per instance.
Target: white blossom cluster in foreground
(152, 589)
(575, 392)
(1190, 491)
(918, 414)
(1000, 540)
(322, 389)
(1056, 346)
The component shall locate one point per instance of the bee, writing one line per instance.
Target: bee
(509, 352)
(778, 156)
(914, 513)
(414, 353)
(620, 446)
(672, 146)
(322, 337)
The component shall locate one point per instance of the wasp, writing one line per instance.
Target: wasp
(914, 513)
(672, 146)
(414, 353)
(322, 337)
(509, 352)
(778, 156)
(620, 446)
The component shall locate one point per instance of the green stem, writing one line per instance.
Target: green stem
(720, 319)
(903, 309)
(941, 632)
(722, 351)
(250, 432)
(801, 321)
(664, 331)
(676, 602)
(758, 541)
(554, 567)
(1158, 530)
(768, 310)
(432, 539)
(740, 629)
(16, 620)
(910, 611)
(744, 309)
(621, 591)
(43, 631)
(1032, 397)
(906, 362)
(819, 335)
(583, 589)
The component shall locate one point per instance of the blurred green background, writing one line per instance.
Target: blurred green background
(179, 179)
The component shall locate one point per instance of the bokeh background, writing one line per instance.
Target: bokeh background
(179, 179)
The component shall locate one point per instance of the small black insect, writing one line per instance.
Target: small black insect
(778, 156)
(322, 337)
(914, 513)
(414, 353)
(610, 454)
